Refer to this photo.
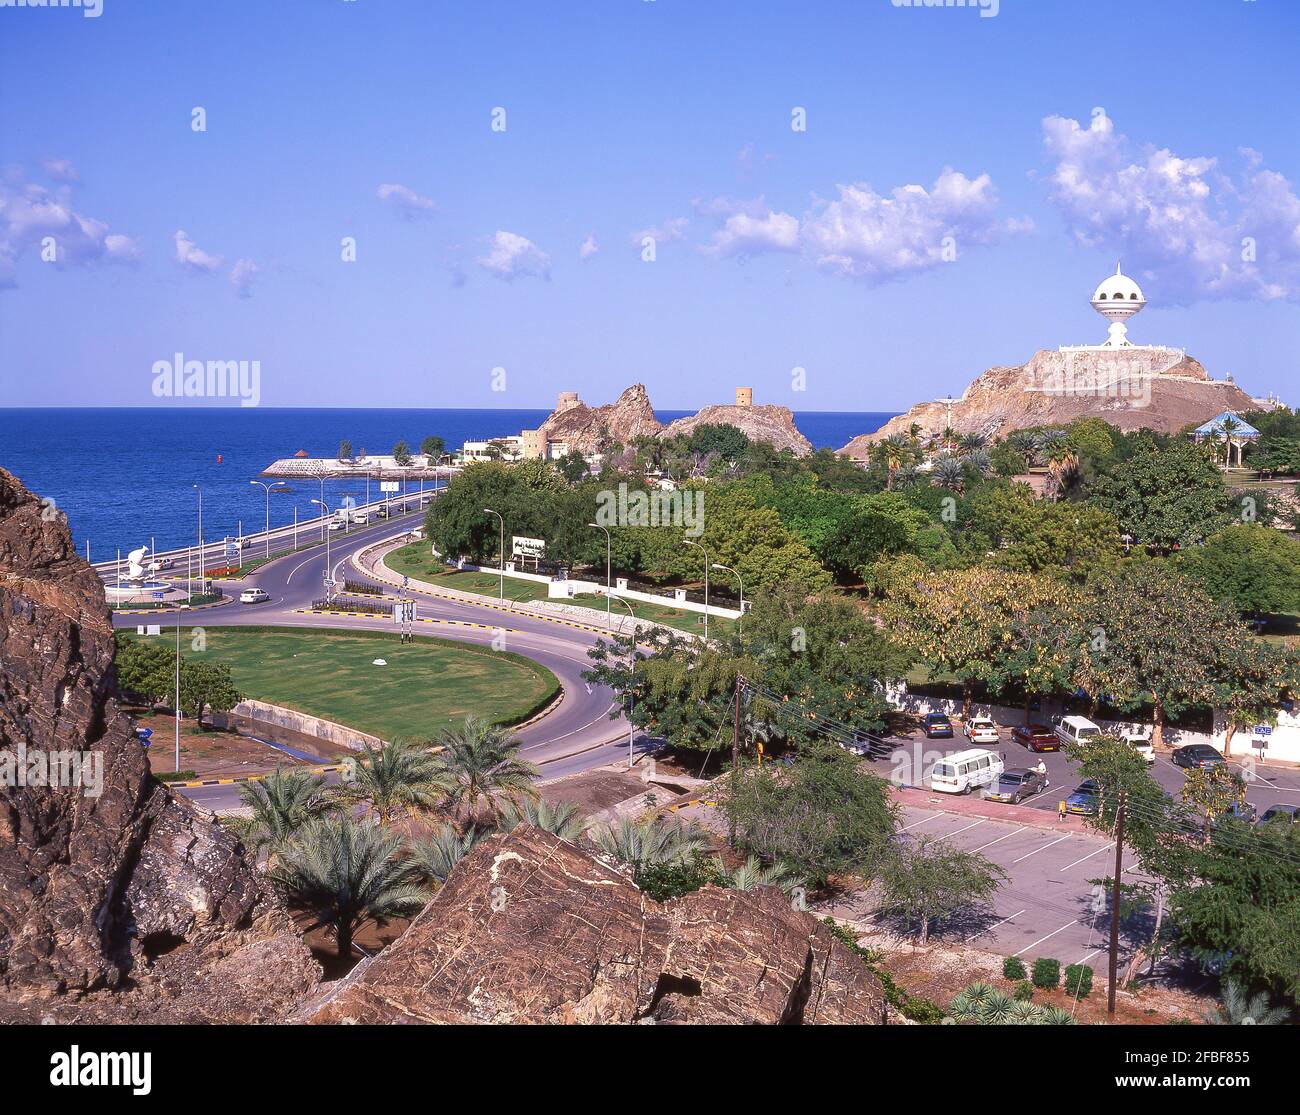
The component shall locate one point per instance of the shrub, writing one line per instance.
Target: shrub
(1024, 991)
(176, 776)
(1078, 980)
(1013, 968)
(922, 1010)
(1047, 973)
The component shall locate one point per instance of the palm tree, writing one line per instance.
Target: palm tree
(1062, 468)
(986, 1006)
(393, 779)
(894, 450)
(753, 873)
(968, 443)
(561, 819)
(1239, 1009)
(649, 843)
(948, 471)
(1227, 428)
(435, 855)
(980, 460)
(346, 872)
(481, 760)
(282, 803)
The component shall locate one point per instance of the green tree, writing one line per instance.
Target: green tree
(435, 855)
(1239, 1008)
(280, 804)
(394, 779)
(346, 872)
(145, 668)
(481, 762)
(433, 447)
(207, 685)
(820, 817)
(345, 450)
(402, 453)
(928, 881)
(1255, 568)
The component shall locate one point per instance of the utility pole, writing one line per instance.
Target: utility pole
(735, 759)
(1114, 905)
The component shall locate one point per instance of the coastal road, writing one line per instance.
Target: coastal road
(578, 734)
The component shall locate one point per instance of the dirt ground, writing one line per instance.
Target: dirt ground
(939, 972)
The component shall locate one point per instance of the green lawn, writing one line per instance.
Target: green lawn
(416, 561)
(428, 685)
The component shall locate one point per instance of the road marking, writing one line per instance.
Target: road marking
(961, 830)
(1043, 848)
(915, 824)
(990, 844)
(994, 926)
(1085, 959)
(1107, 848)
(1040, 940)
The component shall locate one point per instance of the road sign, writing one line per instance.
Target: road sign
(404, 611)
(144, 733)
(1263, 729)
(330, 582)
(527, 547)
(389, 486)
(405, 581)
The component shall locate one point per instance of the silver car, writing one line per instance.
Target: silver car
(1015, 785)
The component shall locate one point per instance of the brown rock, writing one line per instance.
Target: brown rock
(94, 888)
(587, 429)
(532, 929)
(1160, 389)
(773, 424)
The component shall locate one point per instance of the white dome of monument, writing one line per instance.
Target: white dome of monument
(1117, 299)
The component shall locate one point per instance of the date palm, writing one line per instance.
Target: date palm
(754, 873)
(481, 762)
(395, 779)
(1240, 1009)
(345, 872)
(281, 804)
(652, 842)
(949, 473)
(435, 855)
(561, 819)
(894, 450)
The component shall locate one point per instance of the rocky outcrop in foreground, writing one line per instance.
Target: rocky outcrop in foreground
(532, 929)
(1161, 389)
(128, 887)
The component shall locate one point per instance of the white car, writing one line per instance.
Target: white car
(253, 596)
(1140, 741)
(337, 524)
(980, 729)
(159, 564)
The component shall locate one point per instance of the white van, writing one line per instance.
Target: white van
(1076, 729)
(360, 518)
(961, 772)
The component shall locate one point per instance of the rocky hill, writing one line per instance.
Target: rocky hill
(773, 424)
(532, 929)
(110, 882)
(586, 429)
(1160, 389)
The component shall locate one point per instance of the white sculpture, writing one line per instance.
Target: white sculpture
(135, 564)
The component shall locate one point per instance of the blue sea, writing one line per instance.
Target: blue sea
(125, 477)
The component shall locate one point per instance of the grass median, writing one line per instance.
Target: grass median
(416, 561)
(427, 685)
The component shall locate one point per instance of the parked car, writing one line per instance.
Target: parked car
(962, 772)
(1239, 810)
(1283, 814)
(1197, 755)
(1014, 785)
(980, 729)
(867, 744)
(1076, 729)
(936, 725)
(1140, 741)
(254, 596)
(1036, 737)
(1085, 799)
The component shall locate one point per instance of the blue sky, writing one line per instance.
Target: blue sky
(775, 248)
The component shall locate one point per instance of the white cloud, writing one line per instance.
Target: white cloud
(669, 232)
(405, 201)
(1179, 222)
(589, 248)
(512, 256)
(865, 235)
(193, 258)
(29, 214)
(242, 276)
(61, 170)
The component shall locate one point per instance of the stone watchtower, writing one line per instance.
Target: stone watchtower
(744, 396)
(568, 401)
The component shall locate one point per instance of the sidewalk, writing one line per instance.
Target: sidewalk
(973, 806)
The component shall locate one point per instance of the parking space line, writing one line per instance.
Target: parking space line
(1003, 837)
(1049, 844)
(981, 821)
(995, 925)
(1107, 848)
(1085, 959)
(922, 821)
(1040, 940)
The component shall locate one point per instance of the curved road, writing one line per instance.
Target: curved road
(577, 735)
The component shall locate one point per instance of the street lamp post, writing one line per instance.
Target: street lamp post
(631, 677)
(706, 586)
(177, 709)
(200, 491)
(741, 621)
(608, 584)
(501, 517)
(324, 510)
(267, 488)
